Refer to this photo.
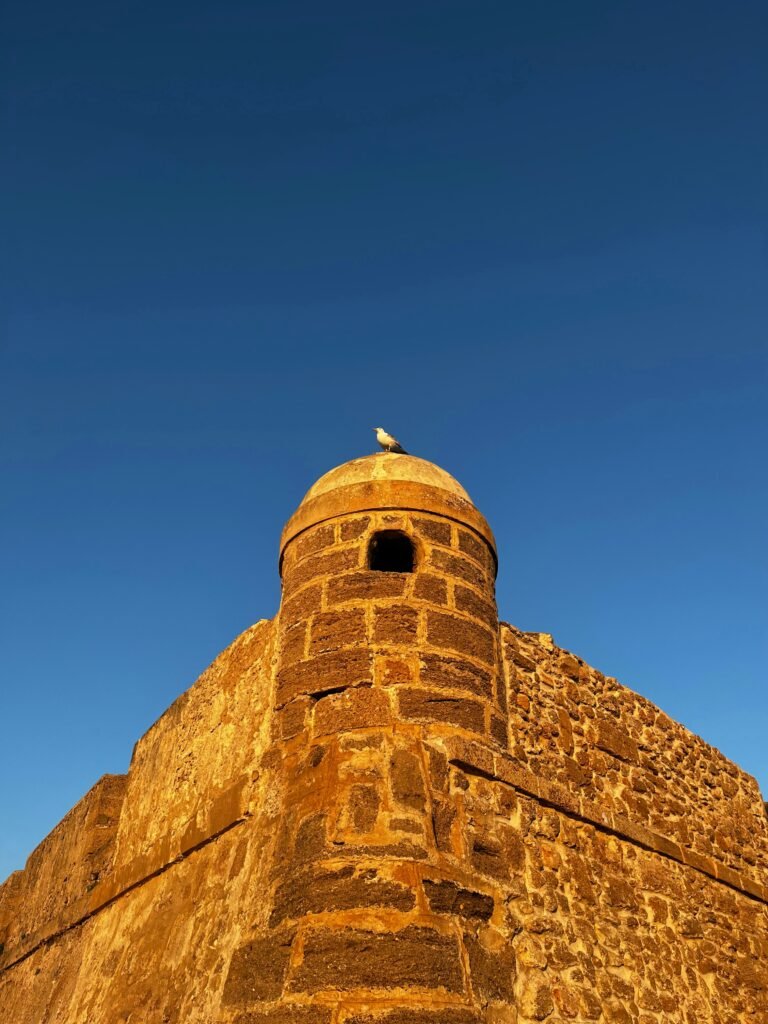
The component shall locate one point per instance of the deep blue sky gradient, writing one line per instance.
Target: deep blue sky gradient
(529, 239)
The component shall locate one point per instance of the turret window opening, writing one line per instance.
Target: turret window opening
(391, 551)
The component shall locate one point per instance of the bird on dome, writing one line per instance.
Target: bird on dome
(389, 443)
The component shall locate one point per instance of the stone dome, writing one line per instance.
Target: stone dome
(385, 481)
(386, 466)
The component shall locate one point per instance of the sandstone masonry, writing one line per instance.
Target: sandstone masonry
(384, 806)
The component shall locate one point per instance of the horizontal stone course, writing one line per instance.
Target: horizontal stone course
(430, 588)
(460, 567)
(326, 890)
(355, 958)
(396, 624)
(365, 585)
(330, 671)
(357, 708)
(433, 706)
(455, 674)
(460, 635)
(442, 1015)
(435, 530)
(334, 630)
(445, 897)
(286, 1014)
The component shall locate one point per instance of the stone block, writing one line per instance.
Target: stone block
(471, 545)
(443, 817)
(363, 807)
(323, 891)
(292, 643)
(433, 706)
(422, 1015)
(312, 541)
(434, 530)
(430, 588)
(292, 719)
(352, 529)
(327, 563)
(332, 671)
(286, 1014)
(407, 782)
(332, 631)
(469, 601)
(395, 624)
(257, 970)
(362, 707)
(310, 839)
(492, 970)
(355, 958)
(455, 674)
(365, 586)
(615, 741)
(499, 730)
(307, 601)
(449, 898)
(461, 635)
(460, 567)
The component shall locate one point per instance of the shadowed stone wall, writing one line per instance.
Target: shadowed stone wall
(384, 807)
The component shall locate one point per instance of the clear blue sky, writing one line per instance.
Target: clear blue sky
(529, 239)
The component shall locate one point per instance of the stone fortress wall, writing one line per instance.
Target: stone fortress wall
(386, 807)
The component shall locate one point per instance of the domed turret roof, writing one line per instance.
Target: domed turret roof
(385, 481)
(386, 466)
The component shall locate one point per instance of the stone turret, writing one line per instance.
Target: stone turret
(388, 600)
(388, 651)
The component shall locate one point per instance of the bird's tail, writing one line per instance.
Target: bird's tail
(398, 449)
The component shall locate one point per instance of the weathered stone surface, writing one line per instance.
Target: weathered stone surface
(492, 970)
(430, 588)
(432, 706)
(361, 707)
(460, 635)
(258, 969)
(331, 671)
(344, 888)
(460, 568)
(315, 540)
(450, 898)
(469, 601)
(536, 997)
(471, 545)
(365, 586)
(324, 564)
(435, 530)
(334, 630)
(364, 803)
(395, 624)
(354, 958)
(407, 780)
(286, 1014)
(455, 674)
(444, 1015)
(351, 529)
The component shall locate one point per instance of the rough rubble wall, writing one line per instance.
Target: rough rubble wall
(571, 724)
(331, 827)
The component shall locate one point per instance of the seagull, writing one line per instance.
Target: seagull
(389, 443)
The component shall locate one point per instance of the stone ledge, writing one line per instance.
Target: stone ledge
(478, 759)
